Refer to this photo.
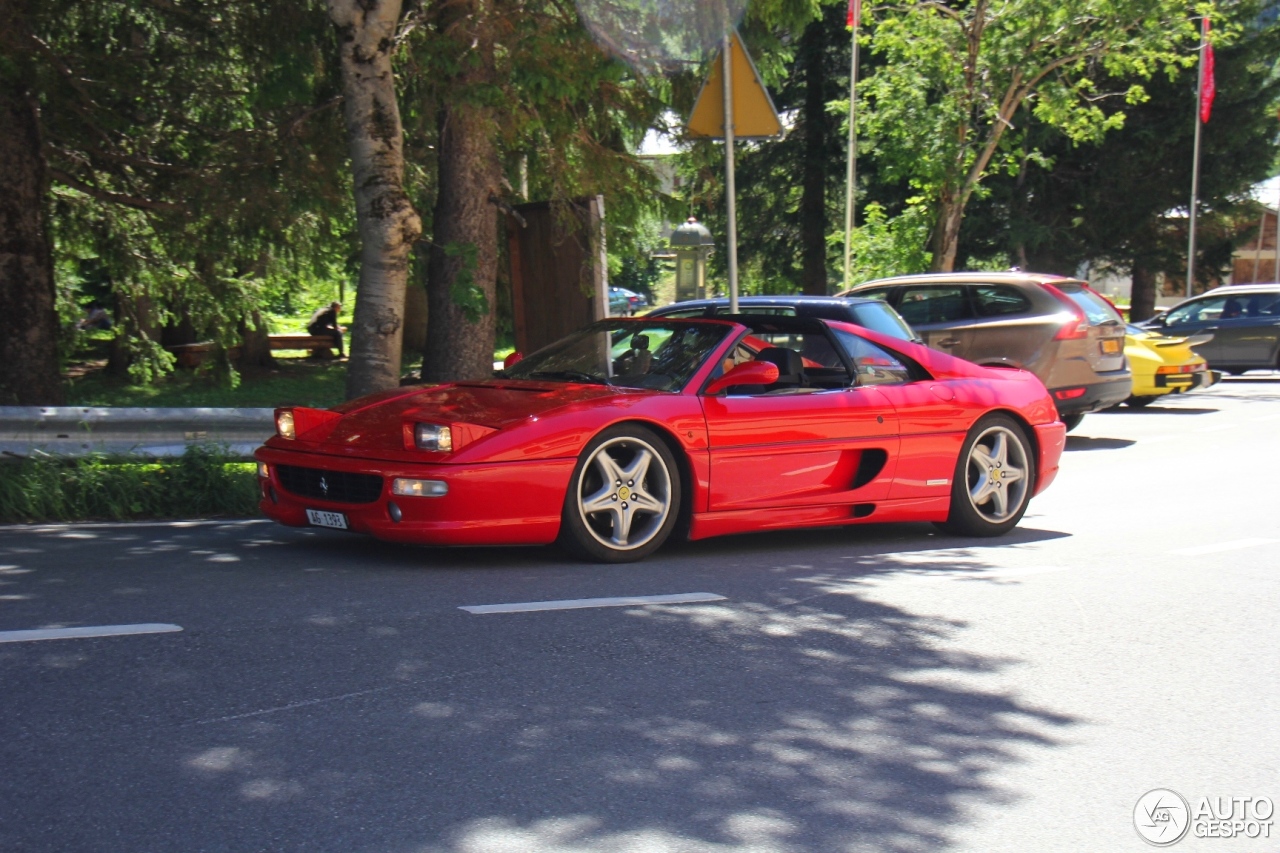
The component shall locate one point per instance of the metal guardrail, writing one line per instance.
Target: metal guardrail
(132, 432)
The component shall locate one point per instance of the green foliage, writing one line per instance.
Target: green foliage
(1108, 202)
(466, 293)
(196, 154)
(318, 384)
(884, 246)
(952, 80)
(201, 483)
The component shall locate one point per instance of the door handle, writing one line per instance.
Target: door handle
(948, 342)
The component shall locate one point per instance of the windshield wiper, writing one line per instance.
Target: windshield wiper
(572, 375)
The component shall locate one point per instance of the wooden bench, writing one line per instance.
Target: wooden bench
(194, 355)
(307, 342)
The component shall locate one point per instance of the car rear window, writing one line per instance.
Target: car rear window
(1097, 309)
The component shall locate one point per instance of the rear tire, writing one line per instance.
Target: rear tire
(1140, 402)
(1072, 421)
(623, 499)
(993, 480)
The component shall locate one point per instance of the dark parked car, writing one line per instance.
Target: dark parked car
(1057, 328)
(1244, 320)
(625, 303)
(870, 314)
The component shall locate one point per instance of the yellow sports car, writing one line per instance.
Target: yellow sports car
(1164, 365)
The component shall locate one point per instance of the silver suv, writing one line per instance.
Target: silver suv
(1058, 328)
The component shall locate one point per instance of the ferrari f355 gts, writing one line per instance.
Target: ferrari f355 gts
(621, 435)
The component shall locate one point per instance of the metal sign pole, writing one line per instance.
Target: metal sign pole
(729, 188)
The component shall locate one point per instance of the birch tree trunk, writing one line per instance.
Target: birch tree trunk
(387, 222)
(29, 374)
(462, 278)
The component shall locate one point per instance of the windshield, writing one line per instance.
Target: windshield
(662, 356)
(879, 317)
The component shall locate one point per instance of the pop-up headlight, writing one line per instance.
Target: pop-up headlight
(284, 424)
(433, 437)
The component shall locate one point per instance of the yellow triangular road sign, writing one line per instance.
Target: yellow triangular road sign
(753, 114)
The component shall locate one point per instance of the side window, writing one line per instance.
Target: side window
(881, 293)
(943, 304)
(1263, 305)
(685, 312)
(1197, 312)
(873, 364)
(997, 300)
(807, 361)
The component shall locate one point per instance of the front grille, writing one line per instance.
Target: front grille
(337, 486)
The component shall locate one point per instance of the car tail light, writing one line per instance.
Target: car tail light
(1077, 326)
(1069, 393)
(1179, 368)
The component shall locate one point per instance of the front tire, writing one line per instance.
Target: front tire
(623, 498)
(994, 478)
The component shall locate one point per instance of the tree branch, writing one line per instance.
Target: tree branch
(114, 198)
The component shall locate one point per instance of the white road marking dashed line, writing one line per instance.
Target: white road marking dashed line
(83, 633)
(1234, 545)
(978, 575)
(581, 603)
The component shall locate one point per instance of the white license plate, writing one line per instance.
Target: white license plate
(320, 518)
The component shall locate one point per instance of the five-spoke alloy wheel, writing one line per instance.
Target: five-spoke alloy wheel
(624, 496)
(994, 478)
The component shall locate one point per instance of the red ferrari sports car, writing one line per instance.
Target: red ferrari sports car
(629, 431)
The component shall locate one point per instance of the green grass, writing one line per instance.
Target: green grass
(295, 382)
(200, 484)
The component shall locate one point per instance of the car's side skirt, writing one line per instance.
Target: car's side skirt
(708, 524)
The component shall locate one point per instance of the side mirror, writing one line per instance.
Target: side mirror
(512, 360)
(747, 373)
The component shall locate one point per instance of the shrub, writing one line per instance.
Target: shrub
(203, 482)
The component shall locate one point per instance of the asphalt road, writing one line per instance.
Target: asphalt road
(878, 688)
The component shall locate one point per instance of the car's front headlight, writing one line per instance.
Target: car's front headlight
(433, 437)
(284, 424)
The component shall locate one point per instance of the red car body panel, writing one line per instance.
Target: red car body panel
(873, 453)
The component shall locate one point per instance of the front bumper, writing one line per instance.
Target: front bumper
(507, 503)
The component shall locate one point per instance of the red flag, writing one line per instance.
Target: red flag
(854, 17)
(1207, 88)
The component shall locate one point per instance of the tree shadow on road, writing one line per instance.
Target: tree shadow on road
(802, 714)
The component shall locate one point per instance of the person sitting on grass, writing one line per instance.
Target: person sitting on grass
(324, 323)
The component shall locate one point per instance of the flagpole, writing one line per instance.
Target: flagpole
(852, 174)
(1195, 164)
